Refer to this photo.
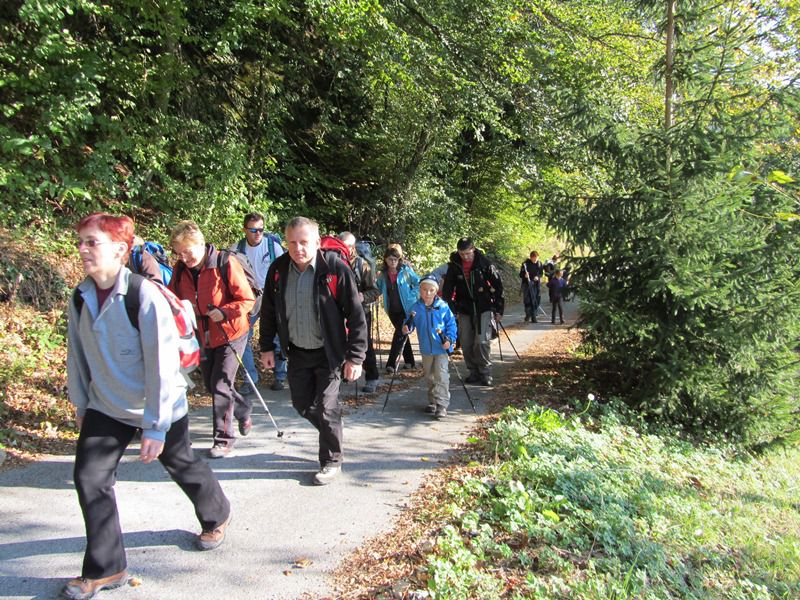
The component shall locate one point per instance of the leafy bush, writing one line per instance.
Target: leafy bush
(604, 511)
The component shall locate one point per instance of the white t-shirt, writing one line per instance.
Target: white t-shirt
(259, 256)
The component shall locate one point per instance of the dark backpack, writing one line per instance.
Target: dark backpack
(158, 252)
(365, 249)
(182, 313)
(249, 273)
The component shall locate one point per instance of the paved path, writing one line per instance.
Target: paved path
(279, 516)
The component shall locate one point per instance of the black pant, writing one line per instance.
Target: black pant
(530, 297)
(398, 319)
(101, 444)
(559, 304)
(370, 362)
(219, 367)
(314, 389)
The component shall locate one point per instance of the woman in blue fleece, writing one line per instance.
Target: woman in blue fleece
(437, 332)
(122, 378)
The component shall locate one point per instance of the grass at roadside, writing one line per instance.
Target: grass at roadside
(545, 503)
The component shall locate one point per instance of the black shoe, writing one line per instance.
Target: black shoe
(487, 381)
(553, 322)
(277, 385)
(527, 319)
(245, 425)
(533, 320)
(473, 379)
(430, 409)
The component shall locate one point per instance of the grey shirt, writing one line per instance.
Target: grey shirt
(301, 308)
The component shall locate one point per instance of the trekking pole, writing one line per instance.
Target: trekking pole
(499, 345)
(458, 373)
(247, 375)
(500, 323)
(397, 361)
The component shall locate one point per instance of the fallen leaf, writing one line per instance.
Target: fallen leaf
(425, 459)
(302, 563)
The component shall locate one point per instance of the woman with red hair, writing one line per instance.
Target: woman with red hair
(124, 377)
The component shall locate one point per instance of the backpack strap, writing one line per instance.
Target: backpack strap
(132, 303)
(271, 241)
(136, 259)
(240, 246)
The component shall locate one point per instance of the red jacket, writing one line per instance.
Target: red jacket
(234, 299)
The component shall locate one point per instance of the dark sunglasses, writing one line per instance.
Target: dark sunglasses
(255, 230)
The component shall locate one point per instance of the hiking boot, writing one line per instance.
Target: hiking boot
(245, 425)
(527, 319)
(82, 587)
(533, 320)
(430, 409)
(208, 540)
(278, 385)
(370, 386)
(473, 379)
(441, 412)
(246, 389)
(486, 381)
(220, 450)
(327, 474)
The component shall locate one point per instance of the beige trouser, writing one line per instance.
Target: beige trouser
(437, 374)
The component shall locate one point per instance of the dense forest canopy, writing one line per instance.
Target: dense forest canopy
(658, 140)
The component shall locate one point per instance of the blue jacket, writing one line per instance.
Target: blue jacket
(407, 286)
(429, 321)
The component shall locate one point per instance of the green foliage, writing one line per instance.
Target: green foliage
(690, 287)
(606, 511)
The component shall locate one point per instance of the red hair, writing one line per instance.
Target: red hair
(119, 229)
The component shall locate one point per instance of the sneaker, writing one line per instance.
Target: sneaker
(82, 587)
(473, 379)
(245, 425)
(219, 451)
(327, 474)
(246, 389)
(389, 370)
(430, 409)
(487, 381)
(278, 385)
(441, 412)
(208, 540)
(370, 386)
(533, 320)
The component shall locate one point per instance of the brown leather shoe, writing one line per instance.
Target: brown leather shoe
(208, 540)
(81, 588)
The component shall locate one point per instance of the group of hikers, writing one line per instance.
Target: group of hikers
(125, 358)
(531, 273)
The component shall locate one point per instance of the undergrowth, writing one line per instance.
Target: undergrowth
(590, 507)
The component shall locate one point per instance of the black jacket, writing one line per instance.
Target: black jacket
(484, 290)
(534, 269)
(342, 320)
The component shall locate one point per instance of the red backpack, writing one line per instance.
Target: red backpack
(329, 243)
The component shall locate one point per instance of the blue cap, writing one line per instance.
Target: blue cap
(430, 278)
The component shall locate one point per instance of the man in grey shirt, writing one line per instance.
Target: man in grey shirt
(311, 301)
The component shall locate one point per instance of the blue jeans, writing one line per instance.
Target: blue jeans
(249, 361)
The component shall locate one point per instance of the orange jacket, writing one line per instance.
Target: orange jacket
(234, 299)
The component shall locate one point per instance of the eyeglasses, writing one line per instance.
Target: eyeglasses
(91, 243)
(255, 229)
(182, 253)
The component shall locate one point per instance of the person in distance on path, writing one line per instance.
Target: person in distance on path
(311, 301)
(122, 378)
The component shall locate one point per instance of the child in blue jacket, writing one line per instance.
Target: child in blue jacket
(437, 332)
